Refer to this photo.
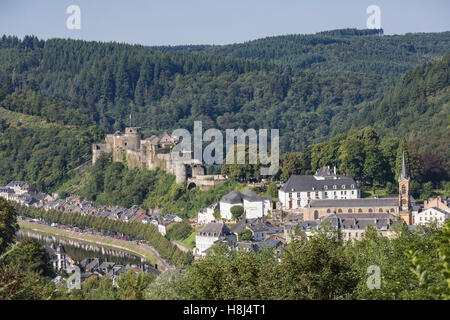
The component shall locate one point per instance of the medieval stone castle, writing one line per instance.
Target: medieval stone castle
(151, 153)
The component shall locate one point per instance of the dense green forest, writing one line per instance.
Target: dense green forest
(419, 107)
(41, 152)
(366, 51)
(91, 88)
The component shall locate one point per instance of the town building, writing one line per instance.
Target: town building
(254, 206)
(317, 209)
(438, 202)
(300, 190)
(331, 194)
(209, 235)
(353, 226)
(206, 215)
(430, 215)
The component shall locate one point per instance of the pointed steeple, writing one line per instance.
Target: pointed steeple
(403, 174)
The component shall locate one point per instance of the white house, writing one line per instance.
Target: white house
(208, 236)
(299, 190)
(6, 193)
(254, 205)
(431, 214)
(206, 215)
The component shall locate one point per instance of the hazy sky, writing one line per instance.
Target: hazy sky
(212, 21)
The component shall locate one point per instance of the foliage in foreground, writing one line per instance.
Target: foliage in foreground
(323, 267)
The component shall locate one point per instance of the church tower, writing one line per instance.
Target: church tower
(403, 187)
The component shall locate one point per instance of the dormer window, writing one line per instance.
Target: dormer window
(353, 186)
(334, 186)
(343, 186)
(325, 187)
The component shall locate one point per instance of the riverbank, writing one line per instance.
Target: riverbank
(107, 242)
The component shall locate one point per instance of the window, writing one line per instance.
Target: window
(380, 210)
(392, 210)
(353, 186)
(290, 195)
(298, 202)
(308, 194)
(343, 186)
(359, 210)
(298, 194)
(325, 187)
(317, 195)
(353, 192)
(328, 211)
(340, 210)
(316, 215)
(370, 210)
(403, 189)
(334, 186)
(350, 211)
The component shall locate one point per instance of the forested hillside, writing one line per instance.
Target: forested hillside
(418, 108)
(41, 152)
(366, 51)
(311, 87)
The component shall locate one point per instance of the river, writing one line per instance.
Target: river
(79, 251)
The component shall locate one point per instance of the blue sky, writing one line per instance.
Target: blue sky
(174, 22)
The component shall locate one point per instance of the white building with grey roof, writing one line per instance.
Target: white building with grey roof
(254, 206)
(430, 215)
(300, 190)
(208, 236)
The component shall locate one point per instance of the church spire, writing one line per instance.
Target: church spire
(403, 176)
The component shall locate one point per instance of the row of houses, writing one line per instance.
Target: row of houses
(97, 267)
(26, 194)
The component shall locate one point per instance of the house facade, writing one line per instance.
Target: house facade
(300, 190)
(431, 214)
(254, 206)
(208, 236)
(206, 215)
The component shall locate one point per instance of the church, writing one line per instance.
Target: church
(319, 207)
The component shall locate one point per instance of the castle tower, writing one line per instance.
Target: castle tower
(132, 138)
(180, 172)
(403, 187)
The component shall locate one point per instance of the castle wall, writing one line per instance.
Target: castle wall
(146, 153)
(134, 159)
(98, 149)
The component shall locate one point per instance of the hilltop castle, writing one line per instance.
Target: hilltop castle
(152, 153)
